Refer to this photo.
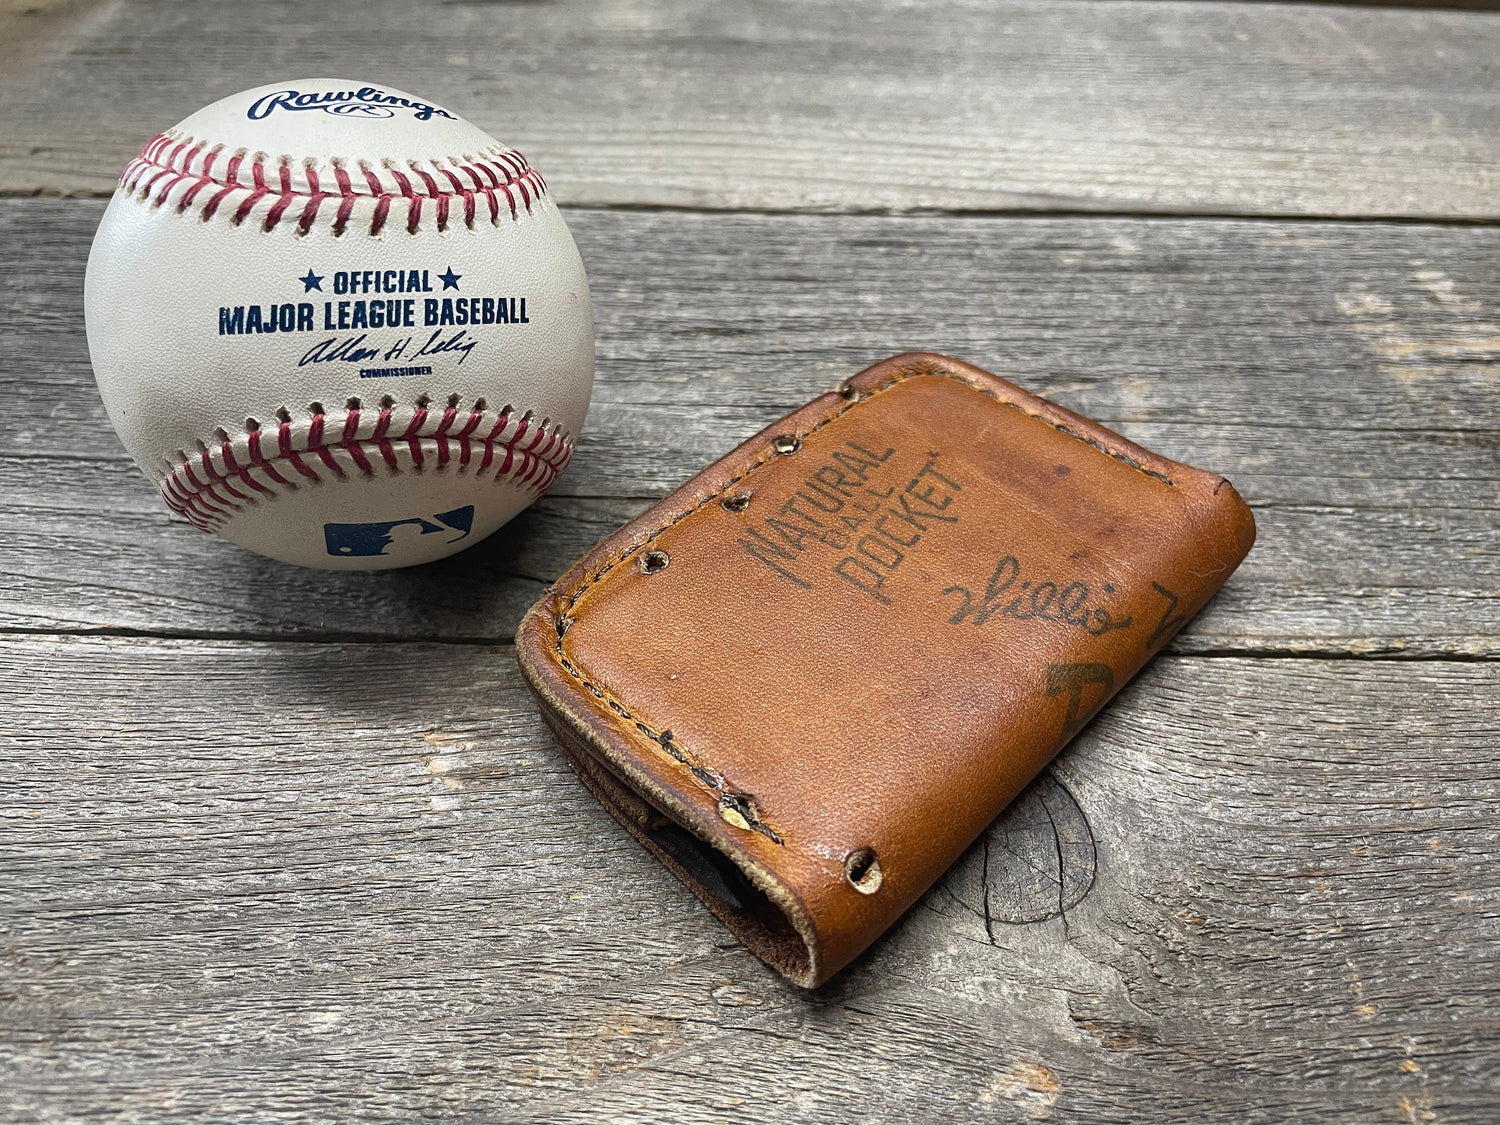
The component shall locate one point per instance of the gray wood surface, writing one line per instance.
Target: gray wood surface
(285, 846)
(1341, 374)
(314, 882)
(1113, 105)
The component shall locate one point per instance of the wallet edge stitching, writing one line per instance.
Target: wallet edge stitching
(711, 779)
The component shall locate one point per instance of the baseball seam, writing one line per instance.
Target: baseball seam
(173, 163)
(209, 487)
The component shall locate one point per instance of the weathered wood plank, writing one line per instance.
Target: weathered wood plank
(1114, 106)
(90, 547)
(1268, 326)
(294, 882)
(1343, 375)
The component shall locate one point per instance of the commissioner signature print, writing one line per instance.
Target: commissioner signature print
(353, 349)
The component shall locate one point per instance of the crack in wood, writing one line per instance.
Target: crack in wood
(1035, 862)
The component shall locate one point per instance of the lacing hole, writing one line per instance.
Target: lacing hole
(732, 812)
(849, 391)
(736, 503)
(562, 623)
(786, 443)
(654, 562)
(862, 869)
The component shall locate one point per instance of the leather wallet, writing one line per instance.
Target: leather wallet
(812, 675)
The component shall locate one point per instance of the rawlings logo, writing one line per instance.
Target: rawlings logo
(367, 101)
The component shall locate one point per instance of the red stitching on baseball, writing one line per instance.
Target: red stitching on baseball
(273, 216)
(207, 495)
(213, 204)
(247, 204)
(346, 208)
(187, 199)
(167, 160)
(161, 196)
(382, 206)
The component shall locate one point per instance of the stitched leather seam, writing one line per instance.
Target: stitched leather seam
(168, 162)
(1119, 455)
(217, 482)
(710, 778)
(742, 803)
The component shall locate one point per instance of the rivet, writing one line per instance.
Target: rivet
(849, 391)
(654, 561)
(786, 443)
(736, 503)
(862, 869)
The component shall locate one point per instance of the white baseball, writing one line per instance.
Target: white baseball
(339, 325)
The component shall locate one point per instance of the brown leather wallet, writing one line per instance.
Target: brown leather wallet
(811, 676)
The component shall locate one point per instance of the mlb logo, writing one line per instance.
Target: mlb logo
(352, 540)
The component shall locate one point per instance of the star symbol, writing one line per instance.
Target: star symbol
(449, 279)
(310, 282)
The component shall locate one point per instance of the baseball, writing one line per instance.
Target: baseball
(339, 325)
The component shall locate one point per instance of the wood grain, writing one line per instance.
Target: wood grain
(1105, 105)
(1343, 375)
(289, 846)
(301, 882)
